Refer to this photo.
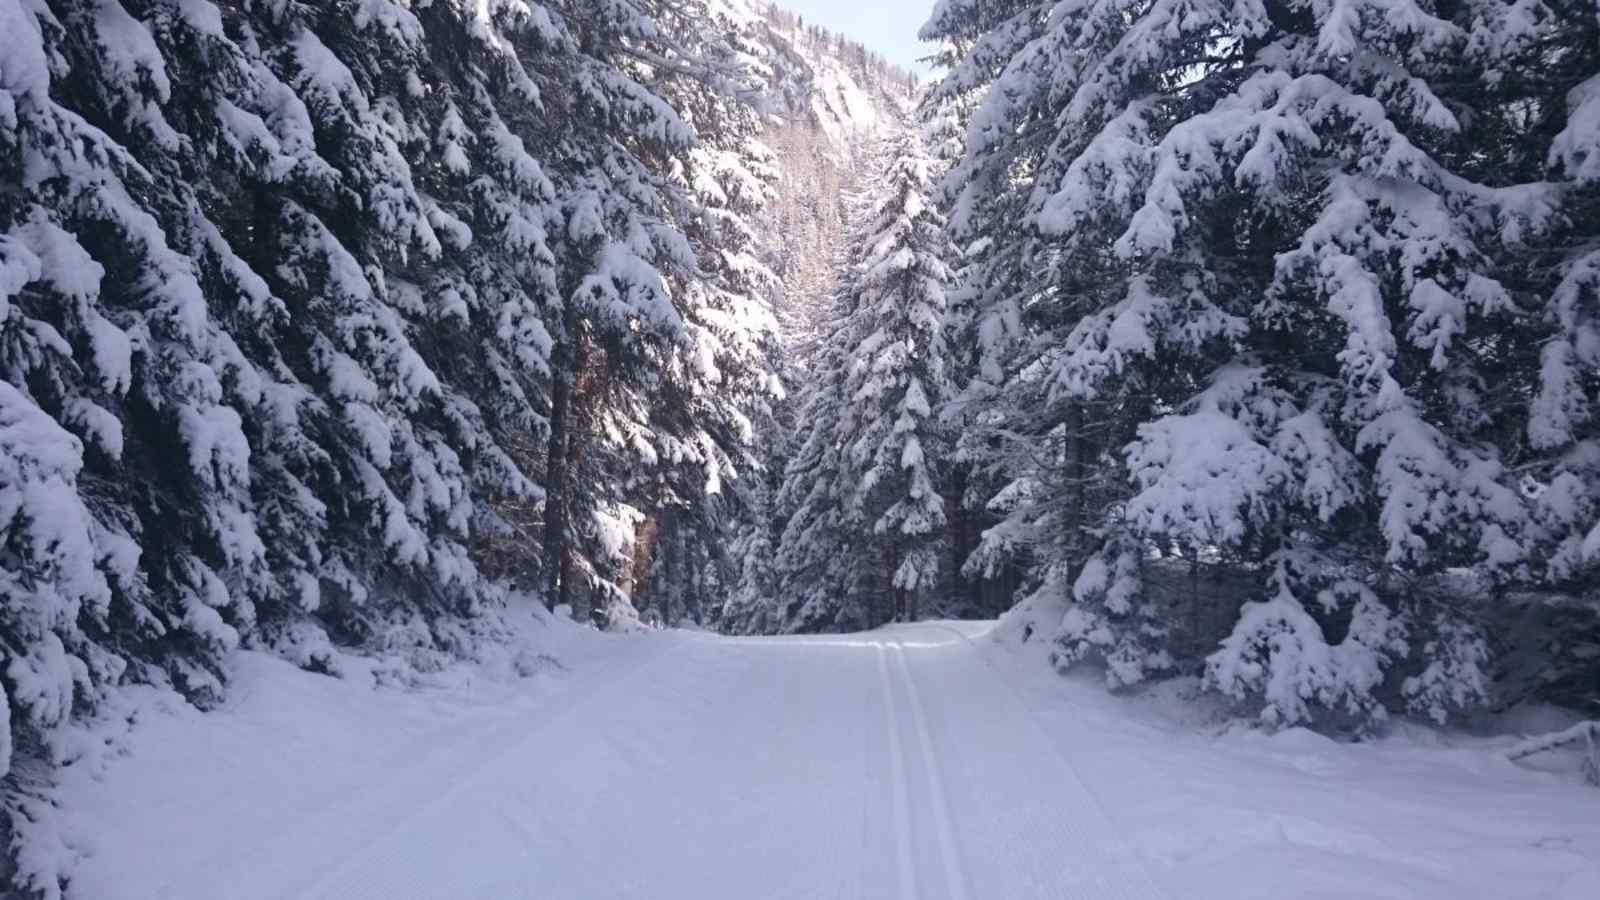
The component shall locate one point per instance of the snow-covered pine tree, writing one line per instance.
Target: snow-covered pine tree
(108, 334)
(125, 489)
(619, 258)
(814, 569)
(868, 479)
(898, 375)
(480, 120)
(720, 378)
(1020, 511)
(1546, 82)
(1260, 257)
(126, 522)
(373, 278)
(749, 605)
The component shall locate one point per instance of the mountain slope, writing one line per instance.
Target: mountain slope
(829, 100)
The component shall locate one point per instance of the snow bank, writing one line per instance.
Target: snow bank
(1227, 811)
(268, 770)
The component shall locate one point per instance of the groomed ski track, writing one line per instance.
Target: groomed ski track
(894, 765)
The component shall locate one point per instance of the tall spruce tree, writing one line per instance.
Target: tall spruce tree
(868, 483)
(720, 380)
(660, 345)
(813, 568)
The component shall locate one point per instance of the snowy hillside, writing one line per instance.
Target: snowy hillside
(829, 102)
(827, 81)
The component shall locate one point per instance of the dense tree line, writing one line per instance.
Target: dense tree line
(1277, 341)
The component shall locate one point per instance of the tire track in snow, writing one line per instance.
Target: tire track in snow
(955, 878)
(897, 774)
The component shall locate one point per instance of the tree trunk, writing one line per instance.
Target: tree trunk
(669, 569)
(558, 587)
(1077, 451)
(582, 602)
(646, 536)
(874, 614)
(896, 600)
(962, 542)
(692, 599)
(565, 452)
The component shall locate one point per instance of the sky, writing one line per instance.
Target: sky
(887, 26)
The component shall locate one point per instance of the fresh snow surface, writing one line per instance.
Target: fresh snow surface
(927, 761)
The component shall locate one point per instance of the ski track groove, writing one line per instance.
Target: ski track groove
(1140, 883)
(372, 846)
(1076, 837)
(897, 772)
(955, 878)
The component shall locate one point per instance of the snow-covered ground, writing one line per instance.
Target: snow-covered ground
(924, 761)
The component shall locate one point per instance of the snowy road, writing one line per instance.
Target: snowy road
(891, 766)
(908, 764)
(775, 768)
